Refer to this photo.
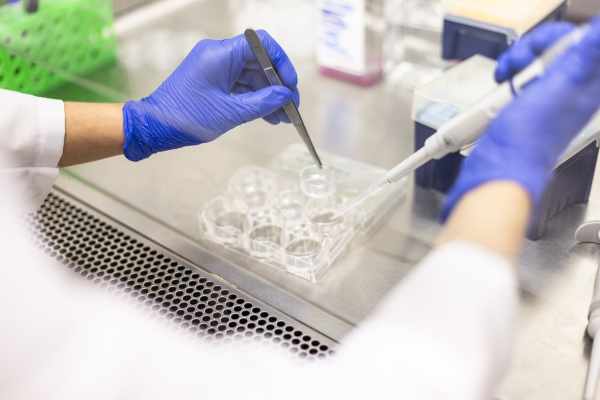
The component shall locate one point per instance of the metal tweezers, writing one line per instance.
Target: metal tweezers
(275, 79)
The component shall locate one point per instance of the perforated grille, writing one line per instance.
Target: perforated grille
(182, 297)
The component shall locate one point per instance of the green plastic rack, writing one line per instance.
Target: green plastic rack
(40, 51)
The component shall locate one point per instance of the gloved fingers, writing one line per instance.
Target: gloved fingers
(558, 104)
(524, 52)
(281, 113)
(578, 70)
(275, 118)
(282, 116)
(254, 79)
(254, 65)
(280, 59)
(582, 61)
(296, 96)
(261, 103)
(240, 89)
(271, 119)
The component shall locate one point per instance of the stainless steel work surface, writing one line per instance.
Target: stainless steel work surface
(371, 125)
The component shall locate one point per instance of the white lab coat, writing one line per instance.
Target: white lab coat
(445, 332)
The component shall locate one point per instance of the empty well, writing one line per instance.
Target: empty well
(317, 182)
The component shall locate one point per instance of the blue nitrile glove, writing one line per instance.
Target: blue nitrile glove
(218, 86)
(524, 142)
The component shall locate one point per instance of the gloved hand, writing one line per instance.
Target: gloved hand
(524, 142)
(218, 86)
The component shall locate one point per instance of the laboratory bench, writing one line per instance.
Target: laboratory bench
(158, 200)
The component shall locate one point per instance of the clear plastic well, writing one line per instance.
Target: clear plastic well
(264, 214)
(317, 182)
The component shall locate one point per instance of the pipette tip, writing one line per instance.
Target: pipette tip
(355, 202)
(372, 190)
(340, 213)
(347, 208)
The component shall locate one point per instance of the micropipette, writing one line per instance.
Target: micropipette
(586, 233)
(467, 125)
(275, 79)
(593, 327)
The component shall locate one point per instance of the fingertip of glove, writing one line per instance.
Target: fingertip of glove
(296, 96)
(271, 119)
(587, 51)
(282, 92)
(594, 29)
(548, 34)
(501, 72)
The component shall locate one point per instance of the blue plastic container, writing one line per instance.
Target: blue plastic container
(571, 184)
(463, 37)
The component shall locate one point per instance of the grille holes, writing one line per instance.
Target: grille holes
(166, 291)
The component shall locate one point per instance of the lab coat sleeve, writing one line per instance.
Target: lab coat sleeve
(445, 332)
(32, 133)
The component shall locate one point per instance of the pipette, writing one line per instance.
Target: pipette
(590, 233)
(593, 327)
(466, 126)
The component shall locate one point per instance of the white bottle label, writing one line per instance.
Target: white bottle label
(341, 35)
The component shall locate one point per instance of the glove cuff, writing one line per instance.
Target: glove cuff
(136, 148)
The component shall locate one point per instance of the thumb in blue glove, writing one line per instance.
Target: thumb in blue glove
(524, 142)
(219, 86)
